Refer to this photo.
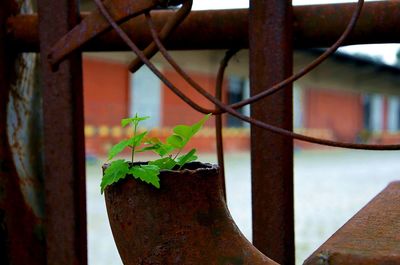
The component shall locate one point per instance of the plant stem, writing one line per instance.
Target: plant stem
(134, 135)
(179, 151)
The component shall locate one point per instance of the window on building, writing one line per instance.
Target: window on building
(367, 112)
(393, 114)
(297, 107)
(373, 112)
(238, 89)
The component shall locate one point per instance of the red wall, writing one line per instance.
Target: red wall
(105, 101)
(330, 114)
(175, 111)
(339, 111)
(105, 92)
(106, 96)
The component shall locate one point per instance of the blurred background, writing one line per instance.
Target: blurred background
(354, 96)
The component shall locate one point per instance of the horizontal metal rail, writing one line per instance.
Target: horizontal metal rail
(314, 26)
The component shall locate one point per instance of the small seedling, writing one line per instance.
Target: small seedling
(169, 152)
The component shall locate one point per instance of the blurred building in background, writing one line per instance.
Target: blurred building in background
(347, 98)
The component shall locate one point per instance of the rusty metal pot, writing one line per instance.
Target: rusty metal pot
(185, 222)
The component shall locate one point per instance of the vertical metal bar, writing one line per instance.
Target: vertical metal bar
(64, 154)
(271, 59)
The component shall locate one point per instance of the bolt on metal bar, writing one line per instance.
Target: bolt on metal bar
(271, 60)
(64, 153)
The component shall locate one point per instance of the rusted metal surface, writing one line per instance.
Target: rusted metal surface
(184, 222)
(169, 27)
(271, 60)
(321, 25)
(372, 236)
(95, 24)
(64, 154)
(21, 219)
(314, 26)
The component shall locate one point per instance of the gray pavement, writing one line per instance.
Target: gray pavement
(330, 187)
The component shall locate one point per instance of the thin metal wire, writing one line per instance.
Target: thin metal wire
(218, 117)
(169, 27)
(311, 66)
(284, 83)
(146, 61)
(224, 107)
(265, 125)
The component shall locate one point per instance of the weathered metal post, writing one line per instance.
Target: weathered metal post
(270, 36)
(64, 153)
(21, 219)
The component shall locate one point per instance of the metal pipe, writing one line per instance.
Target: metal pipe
(63, 140)
(314, 26)
(271, 60)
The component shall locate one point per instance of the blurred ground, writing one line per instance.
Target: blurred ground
(330, 187)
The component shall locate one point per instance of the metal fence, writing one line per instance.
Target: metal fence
(59, 33)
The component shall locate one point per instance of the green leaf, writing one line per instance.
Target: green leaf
(147, 173)
(134, 120)
(147, 148)
(153, 140)
(196, 127)
(116, 170)
(118, 148)
(137, 139)
(185, 133)
(165, 163)
(176, 141)
(189, 157)
(159, 147)
(164, 149)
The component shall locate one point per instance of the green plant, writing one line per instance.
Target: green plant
(169, 152)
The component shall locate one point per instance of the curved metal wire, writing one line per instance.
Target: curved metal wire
(224, 107)
(311, 66)
(146, 61)
(218, 117)
(268, 126)
(275, 88)
(169, 27)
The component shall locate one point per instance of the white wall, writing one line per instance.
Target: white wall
(145, 97)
